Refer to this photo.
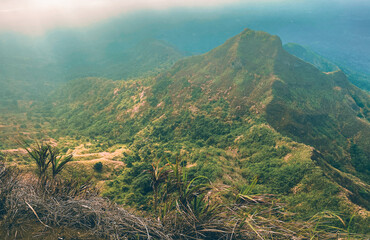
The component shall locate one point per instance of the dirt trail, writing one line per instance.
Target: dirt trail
(80, 152)
(115, 162)
(16, 150)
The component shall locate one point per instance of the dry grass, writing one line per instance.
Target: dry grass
(62, 206)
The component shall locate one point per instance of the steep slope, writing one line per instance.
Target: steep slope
(247, 108)
(322, 110)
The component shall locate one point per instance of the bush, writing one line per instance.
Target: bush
(98, 167)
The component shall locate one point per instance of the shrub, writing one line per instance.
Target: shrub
(98, 167)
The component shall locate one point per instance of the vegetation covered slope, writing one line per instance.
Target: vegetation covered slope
(322, 110)
(235, 113)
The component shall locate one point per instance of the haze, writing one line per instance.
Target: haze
(35, 16)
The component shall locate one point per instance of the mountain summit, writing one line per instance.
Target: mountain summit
(240, 71)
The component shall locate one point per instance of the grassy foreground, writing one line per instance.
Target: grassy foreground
(42, 204)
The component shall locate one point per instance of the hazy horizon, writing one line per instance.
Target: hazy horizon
(38, 16)
(35, 17)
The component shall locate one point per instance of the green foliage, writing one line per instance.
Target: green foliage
(132, 187)
(57, 162)
(297, 110)
(179, 193)
(196, 93)
(314, 193)
(359, 79)
(158, 176)
(311, 57)
(41, 155)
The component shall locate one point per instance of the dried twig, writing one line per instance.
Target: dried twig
(37, 216)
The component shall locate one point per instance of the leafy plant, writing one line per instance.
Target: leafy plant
(57, 162)
(40, 153)
(45, 155)
(245, 192)
(158, 175)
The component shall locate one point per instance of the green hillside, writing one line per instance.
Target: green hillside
(243, 110)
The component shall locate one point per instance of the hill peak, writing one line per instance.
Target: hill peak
(263, 37)
(257, 50)
(254, 51)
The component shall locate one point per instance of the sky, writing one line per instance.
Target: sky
(37, 16)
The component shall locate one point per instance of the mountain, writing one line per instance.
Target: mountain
(360, 79)
(252, 70)
(245, 109)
